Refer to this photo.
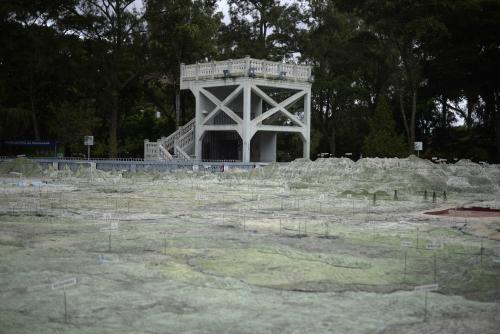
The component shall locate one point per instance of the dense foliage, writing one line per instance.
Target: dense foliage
(106, 67)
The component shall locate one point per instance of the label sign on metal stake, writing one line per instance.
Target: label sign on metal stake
(113, 226)
(434, 246)
(200, 197)
(64, 284)
(88, 141)
(406, 243)
(427, 288)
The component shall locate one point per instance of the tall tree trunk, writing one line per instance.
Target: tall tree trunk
(413, 115)
(496, 112)
(34, 118)
(332, 142)
(405, 121)
(444, 114)
(113, 126)
(470, 110)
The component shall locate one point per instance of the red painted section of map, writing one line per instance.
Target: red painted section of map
(475, 212)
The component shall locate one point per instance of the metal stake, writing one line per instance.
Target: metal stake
(404, 272)
(417, 237)
(435, 268)
(482, 251)
(65, 308)
(425, 311)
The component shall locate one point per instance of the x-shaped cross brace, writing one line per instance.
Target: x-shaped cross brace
(278, 107)
(221, 105)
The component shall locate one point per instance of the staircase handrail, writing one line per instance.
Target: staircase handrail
(179, 152)
(163, 153)
(169, 141)
(185, 139)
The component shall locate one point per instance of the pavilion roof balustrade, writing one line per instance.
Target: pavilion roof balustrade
(246, 67)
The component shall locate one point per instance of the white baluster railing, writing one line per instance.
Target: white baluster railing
(163, 154)
(150, 150)
(186, 140)
(179, 141)
(242, 67)
(169, 141)
(183, 143)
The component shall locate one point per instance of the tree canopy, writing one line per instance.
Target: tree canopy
(426, 69)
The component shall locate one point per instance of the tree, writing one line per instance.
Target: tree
(382, 139)
(114, 28)
(474, 64)
(180, 31)
(406, 27)
(268, 29)
(351, 71)
(27, 58)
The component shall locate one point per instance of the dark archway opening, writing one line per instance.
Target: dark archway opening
(222, 145)
(290, 146)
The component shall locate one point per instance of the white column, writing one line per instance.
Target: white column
(307, 123)
(257, 106)
(198, 132)
(246, 131)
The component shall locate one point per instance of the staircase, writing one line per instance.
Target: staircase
(176, 146)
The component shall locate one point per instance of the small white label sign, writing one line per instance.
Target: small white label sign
(434, 246)
(64, 283)
(419, 146)
(406, 243)
(427, 288)
(113, 226)
(88, 140)
(200, 197)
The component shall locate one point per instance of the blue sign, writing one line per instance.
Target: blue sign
(30, 143)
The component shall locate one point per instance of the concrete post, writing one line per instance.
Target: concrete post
(198, 126)
(246, 131)
(307, 121)
(146, 153)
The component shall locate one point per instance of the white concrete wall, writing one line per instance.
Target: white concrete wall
(267, 141)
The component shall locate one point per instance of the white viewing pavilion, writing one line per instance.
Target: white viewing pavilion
(241, 107)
